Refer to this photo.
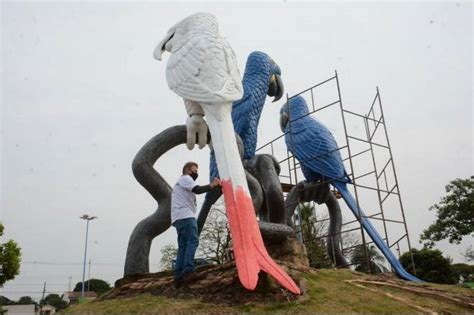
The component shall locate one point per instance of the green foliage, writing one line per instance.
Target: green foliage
(54, 300)
(168, 253)
(455, 214)
(25, 300)
(375, 259)
(430, 265)
(463, 272)
(10, 257)
(312, 231)
(96, 285)
(5, 301)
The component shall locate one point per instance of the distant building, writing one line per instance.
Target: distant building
(73, 297)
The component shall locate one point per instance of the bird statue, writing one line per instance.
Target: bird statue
(261, 78)
(315, 148)
(202, 69)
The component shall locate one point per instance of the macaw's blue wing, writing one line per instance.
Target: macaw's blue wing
(240, 112)
(316, 149)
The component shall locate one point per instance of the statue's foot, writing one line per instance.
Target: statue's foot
(313, 191)
(197, 131)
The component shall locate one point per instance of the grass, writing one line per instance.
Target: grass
(327, 292)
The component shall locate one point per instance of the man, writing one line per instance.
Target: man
(183, 218)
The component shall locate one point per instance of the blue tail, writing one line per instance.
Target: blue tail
(374, 235)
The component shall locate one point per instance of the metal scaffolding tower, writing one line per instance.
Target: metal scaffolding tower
(367, 155)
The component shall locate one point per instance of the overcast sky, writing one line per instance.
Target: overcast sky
(81, 94)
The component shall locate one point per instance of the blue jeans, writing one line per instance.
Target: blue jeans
(188, 241)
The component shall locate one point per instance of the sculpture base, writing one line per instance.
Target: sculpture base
(289, 250)
(218, 284)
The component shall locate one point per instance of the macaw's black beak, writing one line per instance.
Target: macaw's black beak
(276, 87)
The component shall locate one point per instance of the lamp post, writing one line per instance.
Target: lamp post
(87, 218)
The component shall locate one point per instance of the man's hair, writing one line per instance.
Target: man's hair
(188, 166)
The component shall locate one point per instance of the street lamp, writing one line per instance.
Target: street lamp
(87, 218)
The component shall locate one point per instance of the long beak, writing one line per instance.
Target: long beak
(276, 87)
(160, 48)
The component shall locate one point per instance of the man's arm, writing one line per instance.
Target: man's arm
(202, 189)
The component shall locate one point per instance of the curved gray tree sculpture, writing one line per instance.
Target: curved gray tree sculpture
(138, 251)
(318, 192)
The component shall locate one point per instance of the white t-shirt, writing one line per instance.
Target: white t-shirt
(183, 200)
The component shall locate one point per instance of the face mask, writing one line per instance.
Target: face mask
(194, 175)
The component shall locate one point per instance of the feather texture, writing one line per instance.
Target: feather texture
(202, 66)
(247, 111)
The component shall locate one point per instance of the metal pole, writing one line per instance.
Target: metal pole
(44, 292)
(291, 139)
(85, 255)
(367, 129)
(396, 183)
(358, 217)
(89, 280)
(87, 218)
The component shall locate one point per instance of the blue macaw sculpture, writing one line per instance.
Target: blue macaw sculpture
(315, 148)
(261, 78)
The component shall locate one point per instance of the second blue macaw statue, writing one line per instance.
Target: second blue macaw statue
(261, 78)
(315, 148)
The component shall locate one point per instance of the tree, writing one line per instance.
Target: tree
(313, 230)
(25, 300)
(215, 240)
(373, 258)
(54, 300)
(463, 272)
(5, 301)
(469, 254)
(168, 253)
(96, 285)
(430, 265)
(10, 256)
(455, 214)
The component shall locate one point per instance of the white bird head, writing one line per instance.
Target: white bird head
(178, 33)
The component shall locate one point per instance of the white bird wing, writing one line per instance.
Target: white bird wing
(203, 68)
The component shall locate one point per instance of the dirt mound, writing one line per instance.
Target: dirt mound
(218, 284)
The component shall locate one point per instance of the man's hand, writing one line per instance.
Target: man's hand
(215, 182)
